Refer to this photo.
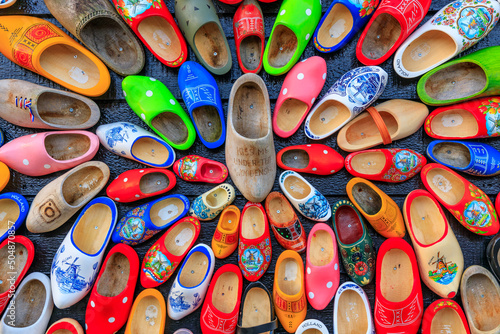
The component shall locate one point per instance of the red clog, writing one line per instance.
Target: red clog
(497, 203)
(166, 254)
(398, 297)
(466, 202)
(113, 292)
(316, 159)
(65, 326)
(254, 250)
(194, 168)
(444, 316)
(137, 184)
(219, 313)
(153, 24)
(248, 26)
(388, 165)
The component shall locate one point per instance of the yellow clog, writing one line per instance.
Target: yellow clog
(225, 239)
(4, 175)
(148, 313)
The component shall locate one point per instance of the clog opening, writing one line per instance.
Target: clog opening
(367, 198)
(337, 24)
(483, 301)
(249, 112)
(427, 222)
(225, 293)
(328, 118)
(455, 123)
(290, 277)
(160, 36)
(217, 197)
(252, 223)
(298, 158)
(92, 229)
(364, 132)
(396, 281)
(147, 317)
(251, 52)
(71, 66)
(21, 257)
(312, 331)
(256, 308)
(369, 163)
(78, 186)
(62, 110)
(9, 212)
(351, 313)
(348, 225)
(194, 270)
(321, 249)
(210, 42)
(291, 114)
(280, 211)
(452, 154)
(67, 146)
(7, 3)
(153, 182)
(229, 220)
(73, 330)
(458, 81)
(208, 123)
(381, 36)
(447, 320)
(296, 187)
(150, 151)
(171, 126)
(29, 305)
(180, 238)
(282, 47)
(211, 171)
(115, 277)
(428, 50)
(447, 186)
(166, 211)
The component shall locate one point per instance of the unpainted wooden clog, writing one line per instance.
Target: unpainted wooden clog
(148, 314)
(208, 205)
(225, 239)
(257, 310)
(71, 326)
(13, 211)
(249, 36)
(444, 315)
(316, 159)
(193, 168)
(352, 311)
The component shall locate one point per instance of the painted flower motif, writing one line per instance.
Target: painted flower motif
(438, 19)
(350, 269)
(371, 262)
(449, 22)
(344, 253)
(360, 268)
(356, 257)
(367, 248)
(457, 4)
(449, 9)
(355, 249)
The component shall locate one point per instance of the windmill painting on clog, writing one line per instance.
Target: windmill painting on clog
(193, 168)
(348, 97)
(13, 211)
(208, 205)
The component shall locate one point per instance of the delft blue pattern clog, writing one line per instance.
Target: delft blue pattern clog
(208, 205)
(468, 157)
(200, 94)
(141, 223)
(13, 211)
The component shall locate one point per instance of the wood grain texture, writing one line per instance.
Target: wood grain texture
(114, 108)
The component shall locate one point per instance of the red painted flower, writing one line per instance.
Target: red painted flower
(360, 268)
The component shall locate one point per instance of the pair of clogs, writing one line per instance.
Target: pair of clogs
(14, 209)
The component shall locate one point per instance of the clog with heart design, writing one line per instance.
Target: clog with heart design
(208, 205)
(249, 36)
(193, 168)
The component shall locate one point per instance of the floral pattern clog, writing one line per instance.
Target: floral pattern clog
(444, 315)
(316, 159)
(14, 209)
(193, 168)
(225, 239)
(351, 302)
(208, 205)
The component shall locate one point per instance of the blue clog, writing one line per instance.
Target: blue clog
(201, 96)
(468, 157)
(13, 211)
(141, 223)
(2, 138)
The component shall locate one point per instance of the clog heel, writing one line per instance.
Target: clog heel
(148, 314)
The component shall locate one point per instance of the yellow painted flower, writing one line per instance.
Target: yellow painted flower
(364, 281)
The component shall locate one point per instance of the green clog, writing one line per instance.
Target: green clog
(200, 25)
(157, 107)
(466, 78)
(292, 30)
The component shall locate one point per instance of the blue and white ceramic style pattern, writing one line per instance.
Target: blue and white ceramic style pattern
(11, 226)
(223, 195)
(183, 300)
(313, 206)
(356, 90)
(357, 289)
(120, 137)
(199, 89)
(74, 271)
(137, 225)
(484, 159)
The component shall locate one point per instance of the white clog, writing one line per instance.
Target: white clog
(312, 326)
(208, 205)
(351, 302)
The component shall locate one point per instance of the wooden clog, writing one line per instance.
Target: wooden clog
(289, 295)
(249, 36)
(148, 315)
(466, 202)
(439, 255)
(286, 226)
(154, 25)
(7, 3)
(378, 208)
(493, 255)
(444, 315)
(452, 30)
(13, 211)
(202, 98)
(250, 155)
(111, 297)
(97, 25)
(49, 152)
(193, 168)
(191, 283)
(312, 326)
(355, 243)
(78, 259)
(31, 307)
(225, 239)
(208, 205)
(32, 106)
(382, 124)
(257, 310)
(351, 311)
(398, 299)
(388, 165)
(300, 89)
(4, 175)
(316, 159)
(151, 100)
(481, 300)
(65, 326)
(200, 25)
(462, 79)
(43, 48)
(63, 197)
(2, 136)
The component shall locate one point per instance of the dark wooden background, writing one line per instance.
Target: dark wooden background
(114, 108)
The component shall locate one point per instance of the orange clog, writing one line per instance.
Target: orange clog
(377, 207)
(148, 313)
(225, 239)
(43, 48)
(4, 175)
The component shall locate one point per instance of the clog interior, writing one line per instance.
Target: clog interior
(280, 211)
(427, 222)
(217, 197)
(370, 163)
(329, 116)
(454, 123)
(29, 302)
(210, 42)
(351, 317)
(65, 331)
(115, 277)
(179, 238)
(367, 198)
(160, 36)
(447, 186)
(62, 110)
(321, 251)
(78, 186)
(296, 187)
(431, 48)
(211, 171)
(92, 229)
(252, 223)
(251, 52)
(249, 116)
(295, 159)
(229, 220)
(364, 131)
(383, 33)
(256, 308)
(165, 211)
(453, 154)
(225, 293)
(290, 278)
(290, 114)
(67, 146)
(143, 324)
(208, 123)
(20, 259)
(337, 24)
(348, 225)
(283, 46)
(483, 302)
(153, 182)
(194, 270)
(171, 126)
(9, 212)
(396, 281)
(312, 331)
(447, 320)
(150, 151)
